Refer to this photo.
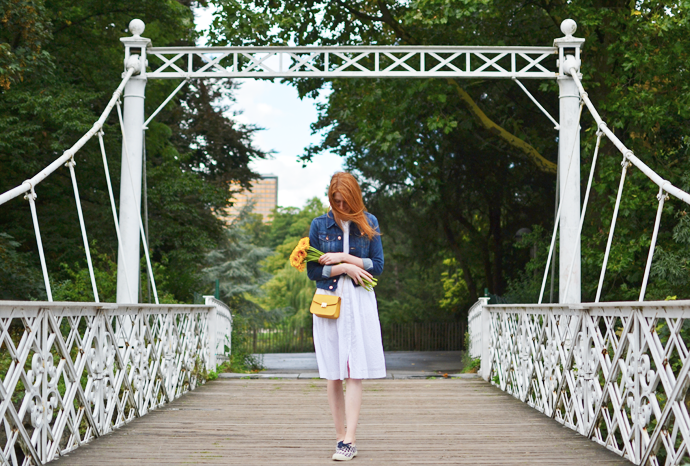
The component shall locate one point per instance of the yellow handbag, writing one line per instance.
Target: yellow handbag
(324, 305)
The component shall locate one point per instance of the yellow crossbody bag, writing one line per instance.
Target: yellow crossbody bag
(324, 305)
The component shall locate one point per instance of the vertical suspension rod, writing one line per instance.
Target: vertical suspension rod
(625, 165)
(71, 163)
(31, 197)
(112, 203)
(662, 196)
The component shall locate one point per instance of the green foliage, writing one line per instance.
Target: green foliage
(292, 223)
(525, 287)
(455, 292)
(58, 88)
(237, 264)
(18, 280)
(77, 287)
(289, 292)
(471, 366)
(241, 359)
(25, 30)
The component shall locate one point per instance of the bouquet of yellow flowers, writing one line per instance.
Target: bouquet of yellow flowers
(304, 253)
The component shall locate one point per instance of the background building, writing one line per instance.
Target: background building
(264, 193)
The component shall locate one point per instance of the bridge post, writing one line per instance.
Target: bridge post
(569, 166)
(131, 171)
(485, 368)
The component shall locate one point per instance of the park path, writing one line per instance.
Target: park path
(286, 421)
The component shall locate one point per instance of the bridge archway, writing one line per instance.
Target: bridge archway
(458, 62)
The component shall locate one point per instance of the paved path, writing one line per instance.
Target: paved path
(277, 422)
(399, 364)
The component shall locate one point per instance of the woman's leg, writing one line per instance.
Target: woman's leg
(353, 403)
(336, 400)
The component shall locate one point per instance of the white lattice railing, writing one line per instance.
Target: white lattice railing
(614, 372)
(474, 328)
(358, 61)
(72, 372)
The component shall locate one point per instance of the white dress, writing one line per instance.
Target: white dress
(354, 337)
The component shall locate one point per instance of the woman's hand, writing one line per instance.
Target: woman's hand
(357, 274)
(332, 258)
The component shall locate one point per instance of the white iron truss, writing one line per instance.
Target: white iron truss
(352, 62)
(616, 373)
(72, 372)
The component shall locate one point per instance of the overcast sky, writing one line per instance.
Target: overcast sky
(286, 121)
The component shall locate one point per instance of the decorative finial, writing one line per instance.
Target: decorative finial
(568, 27)
(137, 26)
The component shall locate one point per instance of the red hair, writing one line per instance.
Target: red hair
(346, 184)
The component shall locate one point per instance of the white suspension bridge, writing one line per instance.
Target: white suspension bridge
(81, 370)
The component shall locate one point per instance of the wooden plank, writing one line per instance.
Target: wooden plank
(283, 421)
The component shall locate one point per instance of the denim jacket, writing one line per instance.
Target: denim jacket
(327, 236)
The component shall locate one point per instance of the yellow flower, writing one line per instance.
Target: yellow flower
(303, 244)
(298, 258)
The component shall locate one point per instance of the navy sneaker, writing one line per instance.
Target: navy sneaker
(344, 451)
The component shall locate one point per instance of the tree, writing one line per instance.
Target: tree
(194, 151)
(289, 291)
(237, 264)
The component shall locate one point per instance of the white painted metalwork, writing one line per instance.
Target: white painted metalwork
(474, 329)
(556, 126)
(31, 197)
(570, 110)
(575, 255)
(28, 186)
(352, 62)
(662, 197)
(614, 372)
(130, 212)
(71, 163)
(563, 177)
(165, 102)
(31, 184)
(221, 331)
(116, 222)
(625, 164)
(69, 381)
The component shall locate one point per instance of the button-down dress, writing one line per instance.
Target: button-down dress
(354, 338)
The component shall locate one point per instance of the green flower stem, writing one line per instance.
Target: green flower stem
(313, 255)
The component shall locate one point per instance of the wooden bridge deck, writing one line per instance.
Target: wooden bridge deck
(460, 421)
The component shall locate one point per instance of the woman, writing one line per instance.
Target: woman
(349, 347)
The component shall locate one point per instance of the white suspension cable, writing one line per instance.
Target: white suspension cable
(558, 214)
(71, 163)
(165, 102)
(30, 184)
(141, 224)
(662, 196)
(584, 207)
(31, 197)
(629, 158)
(548, 259)
(543, 110)
(651, 174)
(625, 165)
(112, 206)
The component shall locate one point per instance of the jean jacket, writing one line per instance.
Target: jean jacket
(327, 236)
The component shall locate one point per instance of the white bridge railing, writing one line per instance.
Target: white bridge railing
(616, 373)
(72, 372)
